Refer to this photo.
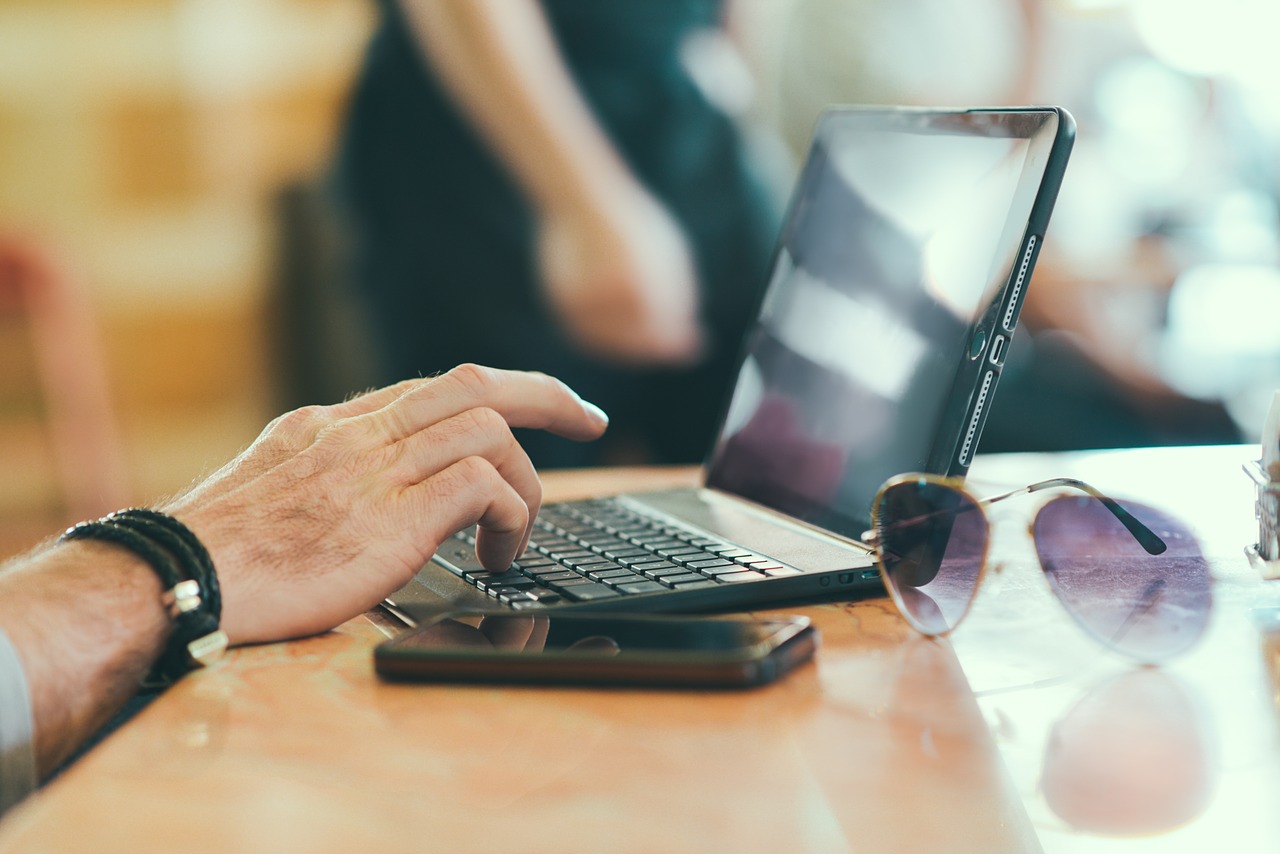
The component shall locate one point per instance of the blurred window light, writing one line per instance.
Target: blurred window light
(1152, 113)
(1211, 37)
(1242, 226)
(1220, 336)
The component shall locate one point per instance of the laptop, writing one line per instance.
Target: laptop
(879, 340)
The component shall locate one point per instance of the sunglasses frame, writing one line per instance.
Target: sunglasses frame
(1148, 539)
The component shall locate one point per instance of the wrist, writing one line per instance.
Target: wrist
(90, 626)
(599, 194)
(191, 593)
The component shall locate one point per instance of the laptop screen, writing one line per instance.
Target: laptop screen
(899, 245)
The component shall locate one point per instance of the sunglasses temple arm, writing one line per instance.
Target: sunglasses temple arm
(1144, 535)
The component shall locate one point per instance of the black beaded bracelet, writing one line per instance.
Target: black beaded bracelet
(191, 595)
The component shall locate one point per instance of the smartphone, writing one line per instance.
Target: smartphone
(598, 649)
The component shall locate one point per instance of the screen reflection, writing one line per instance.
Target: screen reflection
(900, 240)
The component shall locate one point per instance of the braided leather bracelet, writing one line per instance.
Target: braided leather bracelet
(191, 595)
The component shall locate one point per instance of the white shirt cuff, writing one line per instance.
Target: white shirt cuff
(17, 729)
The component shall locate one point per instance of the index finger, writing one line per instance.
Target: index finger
(524, 399)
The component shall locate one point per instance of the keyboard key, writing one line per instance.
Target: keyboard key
(653, 563)
(560, 574)
(681, 550)
(518, 581)
(506, 592)
(619, 554)
(568, 584)
(640, 559)
(568, 555)
(708, 564)
(778, 571)
(745, 575)
(657, 541)
(544, 595)
(533, 561)
(612, 575)
(604, 544)
(497, 579)
(590, 592)
(733, 552)
(640, 587)
(714, 571)
(698, 582)
(681, 578)
(663, 571)
(595, 562)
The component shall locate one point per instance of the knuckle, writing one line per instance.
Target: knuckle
(303, 420)
(348, 433)
(477, 471)
(488, 422)
(474, 476)
(296, 429)
(475, 379)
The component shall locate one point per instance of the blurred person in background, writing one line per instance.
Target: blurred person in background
(565, 186)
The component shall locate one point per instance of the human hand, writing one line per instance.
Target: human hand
(332, 508)
(620, 280)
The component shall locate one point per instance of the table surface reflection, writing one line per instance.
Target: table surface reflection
(1018, 734)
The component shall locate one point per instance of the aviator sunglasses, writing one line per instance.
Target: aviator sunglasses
(1131, 576)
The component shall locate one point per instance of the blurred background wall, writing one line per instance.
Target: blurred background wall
(145, 145)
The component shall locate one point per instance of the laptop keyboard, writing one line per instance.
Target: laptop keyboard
(587, 551)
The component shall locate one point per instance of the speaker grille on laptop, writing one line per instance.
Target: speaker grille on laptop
(972, 432)
(1011, 312)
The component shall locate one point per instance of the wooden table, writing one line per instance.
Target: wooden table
(1018, 734)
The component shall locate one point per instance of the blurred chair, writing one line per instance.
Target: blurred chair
(72, 407)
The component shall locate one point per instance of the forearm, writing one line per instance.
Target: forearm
(499, 61)
(87, 622)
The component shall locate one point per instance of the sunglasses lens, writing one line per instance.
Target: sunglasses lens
(1149, 607)
(932, 542)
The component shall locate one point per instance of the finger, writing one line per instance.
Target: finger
(294, 430)
(372, 401)
(538, 637)
(508, 632)
(523, 399)
(453, 634)
(597, 644)
(475, 433)
(471, 492)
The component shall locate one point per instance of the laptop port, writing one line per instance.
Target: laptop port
(996, 356)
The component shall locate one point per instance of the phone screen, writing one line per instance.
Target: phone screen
(598, 648)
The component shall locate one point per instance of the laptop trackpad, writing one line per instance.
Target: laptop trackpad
(755, 530)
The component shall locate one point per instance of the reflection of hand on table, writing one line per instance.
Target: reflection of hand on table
(508, 632)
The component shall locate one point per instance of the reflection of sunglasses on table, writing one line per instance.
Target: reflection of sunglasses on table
(1131, 576)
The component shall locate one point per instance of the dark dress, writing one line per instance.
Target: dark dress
(444, 240)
